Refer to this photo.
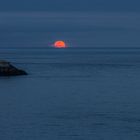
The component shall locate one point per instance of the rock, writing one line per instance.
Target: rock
(7, 69)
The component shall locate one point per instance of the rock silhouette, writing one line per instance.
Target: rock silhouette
(7, 69)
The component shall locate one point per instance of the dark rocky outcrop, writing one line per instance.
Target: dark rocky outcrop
(7, 69)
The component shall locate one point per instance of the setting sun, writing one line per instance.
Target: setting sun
(60, 44)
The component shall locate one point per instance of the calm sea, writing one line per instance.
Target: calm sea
(71, 94)
(89, 91)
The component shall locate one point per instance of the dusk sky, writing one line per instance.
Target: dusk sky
(69, 5)
(90, 23)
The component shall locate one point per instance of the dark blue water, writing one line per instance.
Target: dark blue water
(89, 91)
(71, 94)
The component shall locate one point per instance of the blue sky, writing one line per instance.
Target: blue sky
(70, 5)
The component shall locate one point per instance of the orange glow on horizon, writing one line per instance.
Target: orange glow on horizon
(60, 44)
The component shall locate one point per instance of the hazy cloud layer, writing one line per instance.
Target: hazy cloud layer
(90, 29)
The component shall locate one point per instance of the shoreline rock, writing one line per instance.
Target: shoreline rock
(7, 69)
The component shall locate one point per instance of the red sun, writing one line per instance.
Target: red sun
(60, 44)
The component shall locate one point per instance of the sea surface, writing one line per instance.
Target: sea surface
(88, 91)
(83, 93)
